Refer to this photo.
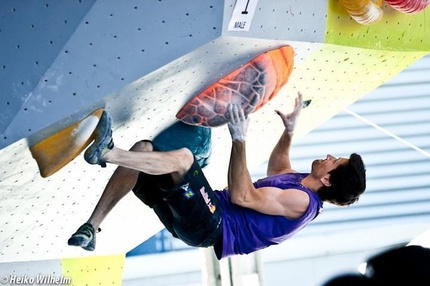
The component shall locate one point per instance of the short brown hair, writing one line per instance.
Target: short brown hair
(347, 182)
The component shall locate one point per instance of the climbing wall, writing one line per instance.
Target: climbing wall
(62, 60)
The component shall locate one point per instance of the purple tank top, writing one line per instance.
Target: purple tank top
(246, 230)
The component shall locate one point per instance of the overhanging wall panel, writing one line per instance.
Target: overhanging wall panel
(105, 46)
(32, 34)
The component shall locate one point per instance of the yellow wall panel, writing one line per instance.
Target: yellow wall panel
(395, 31)
(97, 270)
(336, 76)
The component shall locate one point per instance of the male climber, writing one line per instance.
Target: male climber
(173, 185)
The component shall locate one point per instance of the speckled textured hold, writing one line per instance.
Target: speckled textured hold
(250, 86)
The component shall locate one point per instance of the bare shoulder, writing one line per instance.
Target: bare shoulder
(296, 202)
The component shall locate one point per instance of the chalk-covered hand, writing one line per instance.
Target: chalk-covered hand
(291, 118)
(237, 122)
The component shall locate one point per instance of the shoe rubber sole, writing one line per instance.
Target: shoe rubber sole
(102, 142)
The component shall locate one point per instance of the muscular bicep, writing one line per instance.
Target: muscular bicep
(290, 203)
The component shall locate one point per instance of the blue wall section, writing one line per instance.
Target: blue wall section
(60, 57)
(32, 34)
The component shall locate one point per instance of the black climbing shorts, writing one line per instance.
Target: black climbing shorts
(189, 210)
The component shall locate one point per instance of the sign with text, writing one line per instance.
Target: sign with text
(242, 15)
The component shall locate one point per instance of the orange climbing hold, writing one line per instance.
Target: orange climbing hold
(251, 86)
(56, 151)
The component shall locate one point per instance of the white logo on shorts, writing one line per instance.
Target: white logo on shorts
(208, 202)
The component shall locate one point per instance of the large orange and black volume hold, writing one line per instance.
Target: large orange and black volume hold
(250, 86)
